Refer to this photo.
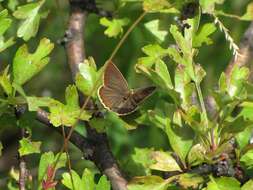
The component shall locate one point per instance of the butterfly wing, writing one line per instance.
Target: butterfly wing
(110, 98)
(114, 80)
(142, 93)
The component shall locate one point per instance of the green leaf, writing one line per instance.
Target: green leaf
(154, 27)
(247, 159)
(61, 114)
(114, 27)
(248, 185)
(103, 184)
(162, 115)
(68, 114)
(88, 180)
(28, 147)
(196, 155)
(5, 23)
(243, 138)
(148, 183)
(1, 148)
(31, 16)
(235, 126)
(164, 161)
(34, 103)
(249, 14)
(185, 46)
(48, 159)
(142, 158)
(158, 6)
(180, 136)
(200, 73)
(208, 6)
(77, 182)
(26, 65)
(154, 53)
(203, 35)
(5, 82)
(238, 77)
(87, 78)
(162, 70)
(223, 183)
(184, 86)
(180, 40)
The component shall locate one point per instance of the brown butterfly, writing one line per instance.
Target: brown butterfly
(115, 95)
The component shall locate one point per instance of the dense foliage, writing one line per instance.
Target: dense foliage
(191, 133)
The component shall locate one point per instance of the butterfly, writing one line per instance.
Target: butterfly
(116, 96)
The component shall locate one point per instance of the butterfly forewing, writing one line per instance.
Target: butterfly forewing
(114, 80)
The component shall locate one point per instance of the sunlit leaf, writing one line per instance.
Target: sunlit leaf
(208, 6)
(26, 65)
(48, 159)
(77, 182)
(5, 23)
(61, 114)
(30, 15)
(249, 13)
(114, 27)
(223, 183)
(158, 6)
(164, 162)
(247, 159)
(28, 147)
(188, 181)
(148, 183)
(154, 28)
(5, 82)
(103, 184)
(87, 78)
(203, 35)
(248, 185)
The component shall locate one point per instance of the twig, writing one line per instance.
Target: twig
(22, 163)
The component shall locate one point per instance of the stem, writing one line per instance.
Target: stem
(126, 35)
(202, 104)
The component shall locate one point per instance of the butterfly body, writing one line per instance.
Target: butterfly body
(115, 94)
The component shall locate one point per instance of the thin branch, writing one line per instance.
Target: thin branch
(23, 172)
(99, 152)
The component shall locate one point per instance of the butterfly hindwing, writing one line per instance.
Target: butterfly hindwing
(142, 93)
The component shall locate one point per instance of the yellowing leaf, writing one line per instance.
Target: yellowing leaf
(28, 147)
(164, 162)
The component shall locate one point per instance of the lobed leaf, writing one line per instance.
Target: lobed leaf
(26, 65)
(28, 147)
